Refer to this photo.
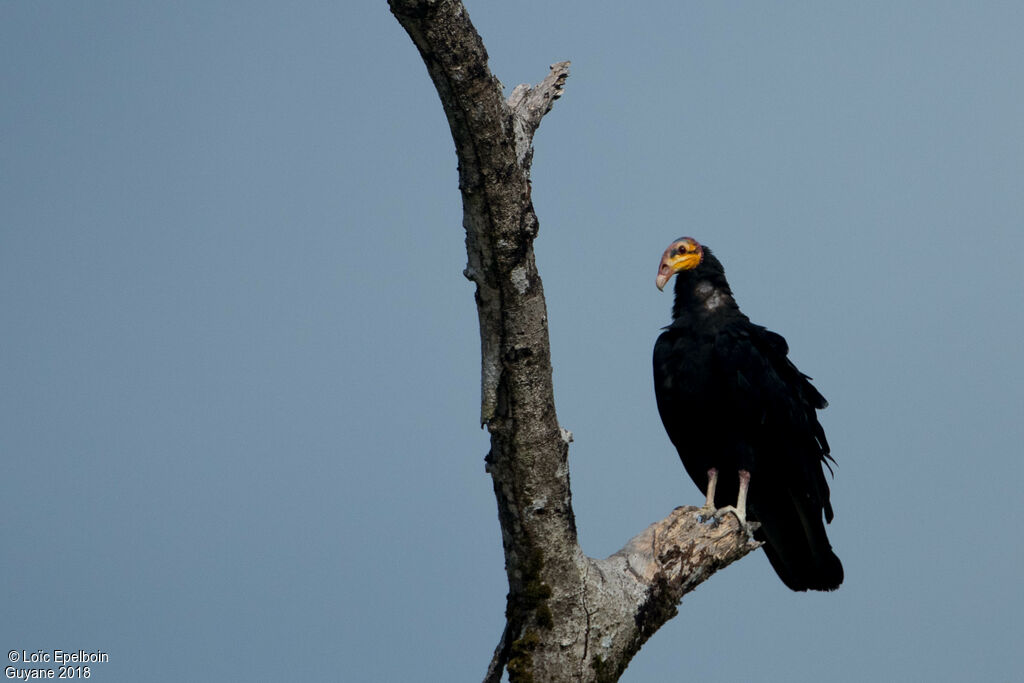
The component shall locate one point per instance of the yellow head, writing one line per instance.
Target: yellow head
(683, 254)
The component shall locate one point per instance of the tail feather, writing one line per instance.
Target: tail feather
(796, 544)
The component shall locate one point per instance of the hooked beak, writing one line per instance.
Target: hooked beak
(683, 254)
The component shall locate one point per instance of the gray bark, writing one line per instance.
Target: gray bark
(569, 617)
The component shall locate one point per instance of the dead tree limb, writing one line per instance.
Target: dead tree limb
(569, 617)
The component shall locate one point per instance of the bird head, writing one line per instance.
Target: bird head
(683, 254)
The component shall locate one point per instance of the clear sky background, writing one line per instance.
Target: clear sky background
(239, 367)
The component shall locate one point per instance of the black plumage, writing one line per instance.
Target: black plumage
(741, 414)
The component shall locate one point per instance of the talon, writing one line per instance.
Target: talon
(707, 513)
(749, 527)
(722, 512)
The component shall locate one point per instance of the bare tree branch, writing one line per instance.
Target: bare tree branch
(569, 617)
(529, 105)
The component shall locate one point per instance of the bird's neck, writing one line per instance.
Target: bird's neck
(703, 298)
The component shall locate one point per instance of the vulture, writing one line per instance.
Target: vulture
(743, 419)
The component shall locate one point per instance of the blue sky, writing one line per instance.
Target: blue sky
(240, 377)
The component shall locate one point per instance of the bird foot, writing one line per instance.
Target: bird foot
(706, 513)
(722, 512)
(749, 527)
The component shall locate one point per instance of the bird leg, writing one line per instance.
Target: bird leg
(741, 499)
(708, 511)
(740, 509)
